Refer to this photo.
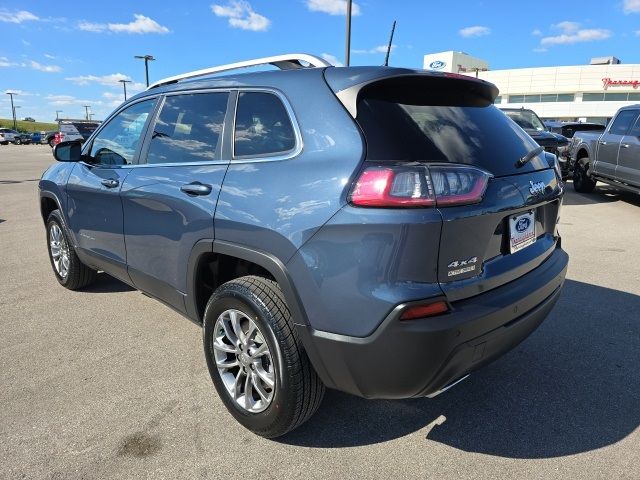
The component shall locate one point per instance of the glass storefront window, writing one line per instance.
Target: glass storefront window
(592, 97)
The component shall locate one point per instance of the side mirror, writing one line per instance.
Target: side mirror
(68, 151)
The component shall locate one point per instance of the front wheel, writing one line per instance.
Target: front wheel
(256, 360)
(17, 141)
(582, 182)
(67, 267)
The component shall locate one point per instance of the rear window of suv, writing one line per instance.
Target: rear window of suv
(262, 127)
(418, 120)
(188, 128)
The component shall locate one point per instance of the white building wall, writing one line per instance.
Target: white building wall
(570, 79)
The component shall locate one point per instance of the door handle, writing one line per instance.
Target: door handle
(601, 142)
(196, 188)
(624, 145)
(110, 182)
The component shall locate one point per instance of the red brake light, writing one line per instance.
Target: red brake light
(421, 311)
(419, 186)
(388, 187)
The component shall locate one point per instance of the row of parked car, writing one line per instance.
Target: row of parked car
(67, 130)
(589, 152)
(8, 136)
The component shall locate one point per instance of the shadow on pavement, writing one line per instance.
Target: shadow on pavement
(602, 194)
(107, 284)
(571, 387)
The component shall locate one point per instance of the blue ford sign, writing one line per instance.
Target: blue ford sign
(437, 64)
(523, 224)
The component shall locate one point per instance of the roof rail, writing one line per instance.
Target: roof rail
(283, 62)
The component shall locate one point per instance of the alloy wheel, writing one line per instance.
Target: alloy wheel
(59, 250)
(244, 361)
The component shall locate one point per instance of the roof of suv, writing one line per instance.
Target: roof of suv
(338, 78)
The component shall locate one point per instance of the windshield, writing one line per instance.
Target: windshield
(526, 119)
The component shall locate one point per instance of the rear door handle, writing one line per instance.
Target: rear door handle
(196, 188)
(601, 142)
(625, 145)
(110, 183)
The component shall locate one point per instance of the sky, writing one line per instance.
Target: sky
(64, 55)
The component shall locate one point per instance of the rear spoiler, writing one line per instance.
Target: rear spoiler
(348, 88)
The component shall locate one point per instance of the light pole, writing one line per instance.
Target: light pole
(13, 110)
(347, 52)
(57, 112)
(86, 111)
(14, 116)
(124, 85)
(147, 59)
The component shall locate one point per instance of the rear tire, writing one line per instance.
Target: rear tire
(284, 390)
(51, 142)
(582, 182)
(70, 272)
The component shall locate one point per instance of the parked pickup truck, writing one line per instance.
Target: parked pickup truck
(611, 157)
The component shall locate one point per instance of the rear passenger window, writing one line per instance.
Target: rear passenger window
(622, 122)
(263, 127)
(188, 129)
(635, 131)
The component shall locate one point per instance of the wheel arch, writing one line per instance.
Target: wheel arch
(206, 250)
(48, 203)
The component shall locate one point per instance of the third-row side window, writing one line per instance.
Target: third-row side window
(189, 128)
(263, 126)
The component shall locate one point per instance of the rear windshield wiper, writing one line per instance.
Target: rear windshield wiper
(529, 156)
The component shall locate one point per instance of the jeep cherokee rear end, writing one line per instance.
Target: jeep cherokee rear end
(415, 282)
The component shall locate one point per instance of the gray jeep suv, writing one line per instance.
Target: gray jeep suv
(381, 231)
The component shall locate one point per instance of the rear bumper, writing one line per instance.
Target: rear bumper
(419, 357)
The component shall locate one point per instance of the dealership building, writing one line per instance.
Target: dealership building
(588, 93)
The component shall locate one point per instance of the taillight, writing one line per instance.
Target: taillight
(419, 185)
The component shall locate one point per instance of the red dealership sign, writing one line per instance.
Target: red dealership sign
(607, 82)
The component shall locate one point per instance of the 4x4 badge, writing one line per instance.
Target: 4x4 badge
(462, 266)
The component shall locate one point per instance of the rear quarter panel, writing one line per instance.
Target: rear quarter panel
(276, 206)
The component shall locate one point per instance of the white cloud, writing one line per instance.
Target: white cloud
(43, 68)
(50, 57)
(332, 59)
(16, 16)
(22, 93)
(115, 99)
(638, 33)
(572, 33)
(475, 31)
(5, 62)
(378, 49)
(110, 80)
(539, 49)
(241, 15)
(631, 6)
(567, 27)
(92, 27)
(69, 100)
(332, 7)
(140, 25)
(536, 32)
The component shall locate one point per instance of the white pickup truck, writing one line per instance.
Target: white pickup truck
(611, 157)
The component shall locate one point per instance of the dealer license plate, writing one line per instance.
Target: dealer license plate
(522, 230)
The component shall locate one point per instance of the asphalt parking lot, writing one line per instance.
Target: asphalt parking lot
(107, 383)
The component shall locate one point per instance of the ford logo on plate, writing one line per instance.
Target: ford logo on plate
(437, 64)
(523, 224)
